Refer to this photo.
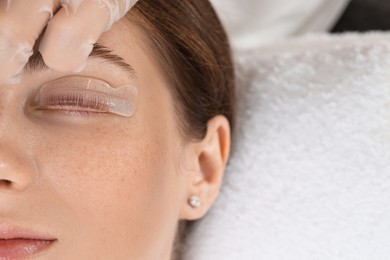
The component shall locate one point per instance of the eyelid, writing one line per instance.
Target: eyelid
(120, 100)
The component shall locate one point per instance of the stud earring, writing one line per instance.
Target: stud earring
(194, 201)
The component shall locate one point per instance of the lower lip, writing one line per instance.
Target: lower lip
(21, 248)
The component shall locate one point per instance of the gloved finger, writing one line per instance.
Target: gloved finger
(70, 35)
(21, 23)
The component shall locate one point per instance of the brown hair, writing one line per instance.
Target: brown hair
(191, 45)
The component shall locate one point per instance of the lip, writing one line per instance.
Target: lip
(17, 243)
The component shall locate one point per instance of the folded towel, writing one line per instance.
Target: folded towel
(309, 177)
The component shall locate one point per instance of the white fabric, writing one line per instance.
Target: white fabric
(252, 23)
(310, 174)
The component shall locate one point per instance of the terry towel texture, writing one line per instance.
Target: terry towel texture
(309, 177)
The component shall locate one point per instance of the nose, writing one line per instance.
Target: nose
(16, 169)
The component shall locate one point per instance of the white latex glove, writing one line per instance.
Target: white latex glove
(73, 26)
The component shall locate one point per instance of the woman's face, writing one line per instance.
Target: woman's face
(104, 186)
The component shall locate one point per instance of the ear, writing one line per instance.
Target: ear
(209, 156)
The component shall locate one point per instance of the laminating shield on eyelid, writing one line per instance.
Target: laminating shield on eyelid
(88, 93)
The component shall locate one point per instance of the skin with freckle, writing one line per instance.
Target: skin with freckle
(99, 175)
(105, 185)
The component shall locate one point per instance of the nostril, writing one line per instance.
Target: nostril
(17, 166)
(5, 183)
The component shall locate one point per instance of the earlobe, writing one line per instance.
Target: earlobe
(211, 156)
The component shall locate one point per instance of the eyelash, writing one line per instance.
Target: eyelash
(75, 104)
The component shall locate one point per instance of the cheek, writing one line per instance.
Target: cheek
(102, 170)
(125, 177)
(98, 167)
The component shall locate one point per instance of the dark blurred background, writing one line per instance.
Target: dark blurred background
(364, 15)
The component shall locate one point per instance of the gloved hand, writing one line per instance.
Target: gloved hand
(73, 26)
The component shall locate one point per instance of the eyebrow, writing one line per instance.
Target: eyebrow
(99, 51)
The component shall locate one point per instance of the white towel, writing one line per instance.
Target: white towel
(309, 177)
(252, 23)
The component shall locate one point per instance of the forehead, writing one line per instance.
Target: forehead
(125, 40)
(128, 41)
